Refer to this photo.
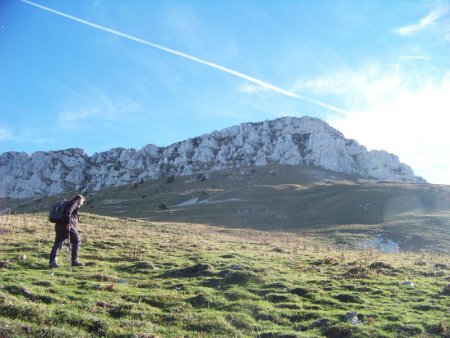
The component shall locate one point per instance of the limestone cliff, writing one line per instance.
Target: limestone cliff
(287, 140)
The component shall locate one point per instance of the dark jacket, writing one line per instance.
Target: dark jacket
(70, 216)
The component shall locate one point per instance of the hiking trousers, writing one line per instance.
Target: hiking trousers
(61, 235)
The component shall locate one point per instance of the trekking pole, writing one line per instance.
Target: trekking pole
(70, 251)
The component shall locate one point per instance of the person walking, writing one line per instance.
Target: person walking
(67, 228)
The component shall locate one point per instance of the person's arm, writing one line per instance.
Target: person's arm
(68, 212)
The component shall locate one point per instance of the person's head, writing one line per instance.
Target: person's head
(79, 199)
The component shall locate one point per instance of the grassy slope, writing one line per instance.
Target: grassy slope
(305, 199)
(249, 283)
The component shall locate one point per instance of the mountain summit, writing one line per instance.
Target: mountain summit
(287, 140)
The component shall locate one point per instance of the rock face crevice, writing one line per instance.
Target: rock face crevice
(287, 140)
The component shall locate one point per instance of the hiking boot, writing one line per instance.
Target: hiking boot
(77, 263)
(53, 264)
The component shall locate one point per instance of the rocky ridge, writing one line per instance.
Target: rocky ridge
(287, 140)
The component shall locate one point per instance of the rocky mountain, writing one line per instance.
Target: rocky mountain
(287, 140)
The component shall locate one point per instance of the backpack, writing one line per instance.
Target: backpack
(56, 212)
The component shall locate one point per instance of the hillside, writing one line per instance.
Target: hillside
(158, 279)
(335, 207)
(267, 251)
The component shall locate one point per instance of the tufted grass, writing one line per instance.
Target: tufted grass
(166, 279)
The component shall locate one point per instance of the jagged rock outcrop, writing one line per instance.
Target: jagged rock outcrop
(287, 140)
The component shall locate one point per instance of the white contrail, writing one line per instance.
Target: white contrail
(421, 57)
(193, 58)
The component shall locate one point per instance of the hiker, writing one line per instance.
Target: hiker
(67, 228)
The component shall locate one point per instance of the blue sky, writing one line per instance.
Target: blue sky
(163, 71)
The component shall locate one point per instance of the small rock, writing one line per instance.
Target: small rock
(352, 317)
(408, 284)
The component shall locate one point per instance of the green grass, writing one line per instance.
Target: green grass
(174, 279)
